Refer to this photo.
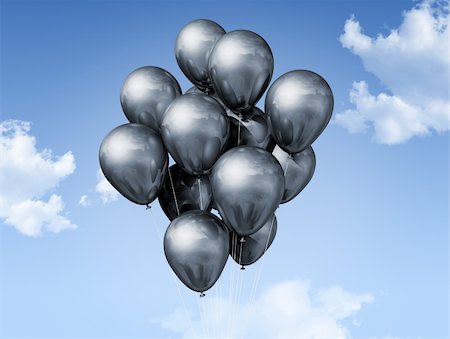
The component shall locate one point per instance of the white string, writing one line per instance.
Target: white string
(239, 129)
(200, 193)
(173, 192)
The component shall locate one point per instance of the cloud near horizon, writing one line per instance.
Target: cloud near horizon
(413, 63)
(26, 176)
(289, 309)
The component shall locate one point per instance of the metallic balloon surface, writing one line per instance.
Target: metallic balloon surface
(182, 192)
(298, 105)
(255, 245)
(146, 93)
(298, 170)
(252, 131)
(240, 67)
(192, 49)
(195, 131)
(134, 160)
(196, 245)
(248, 185)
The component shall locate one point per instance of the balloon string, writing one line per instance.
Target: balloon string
(200, 192)
(287, 164)
(159, 235)
(239, 129)
(173, 192)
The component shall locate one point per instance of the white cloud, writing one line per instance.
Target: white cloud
(26, 175)
(290, 309)
(84, 200)
(107, 192)
(413, 62)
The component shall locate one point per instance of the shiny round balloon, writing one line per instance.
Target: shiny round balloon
(298, 170)
(299, 105)
(146, 93)
(252, 131)
(248, 185)
(134, 160)
(195, 130)
(255, 245)
(240, 67)
(192, 49)
(196, 245)
(182, 192)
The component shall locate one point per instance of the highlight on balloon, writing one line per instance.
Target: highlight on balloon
(229, 155)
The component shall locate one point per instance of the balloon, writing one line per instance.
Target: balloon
(146, 93)
(248, 185)
(255, 245)
(298, 170)
(252, 131)
(134, 161)
(240, 67)
(192, 49)
(298, 107)
(182, 192)
(196, 245)
(195, 131)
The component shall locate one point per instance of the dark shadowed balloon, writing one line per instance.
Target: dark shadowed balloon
(255, 245)
(248, 185)
(298, 105)
(252, 131)
(195, 131)
(240, 67)
(298, 170)
(192, 49)
(196, 245)
(182, 192)
(146, 93)
(134, 161)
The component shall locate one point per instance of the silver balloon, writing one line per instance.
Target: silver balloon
(134, 161)
(146, 93)
(182, 192)
(248, 185)
(196, 245)
(255, 245)
(252, 131)
(298, 170)
(195, 131)
(299, 105)
(192, 49)
(240, 67)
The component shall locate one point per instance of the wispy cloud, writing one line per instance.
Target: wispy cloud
(107, 192)
(290, 309)
(84, 200)
(413, 62)
(26, 175)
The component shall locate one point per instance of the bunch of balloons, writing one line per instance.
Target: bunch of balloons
(228, 153)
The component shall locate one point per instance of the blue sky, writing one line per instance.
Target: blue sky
(362, 252)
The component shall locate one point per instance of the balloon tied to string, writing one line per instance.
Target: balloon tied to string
(224, 134)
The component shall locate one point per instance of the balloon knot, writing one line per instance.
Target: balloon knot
(202, 294)
(242, 267)
(147, 207)
(242, 239)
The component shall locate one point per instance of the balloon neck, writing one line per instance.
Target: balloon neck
(147, 207)
(242, 239)
(242, 267)
(202, 294)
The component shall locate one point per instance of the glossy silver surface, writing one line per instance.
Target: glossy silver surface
(240, 67)
(195, 129)
(192, 49)
(253, 131)
(298, 105)
(134, 161)
(182, 192)
(298, 170)
(248, 185)
(146, 93)
(255, 244)
(196, 245)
